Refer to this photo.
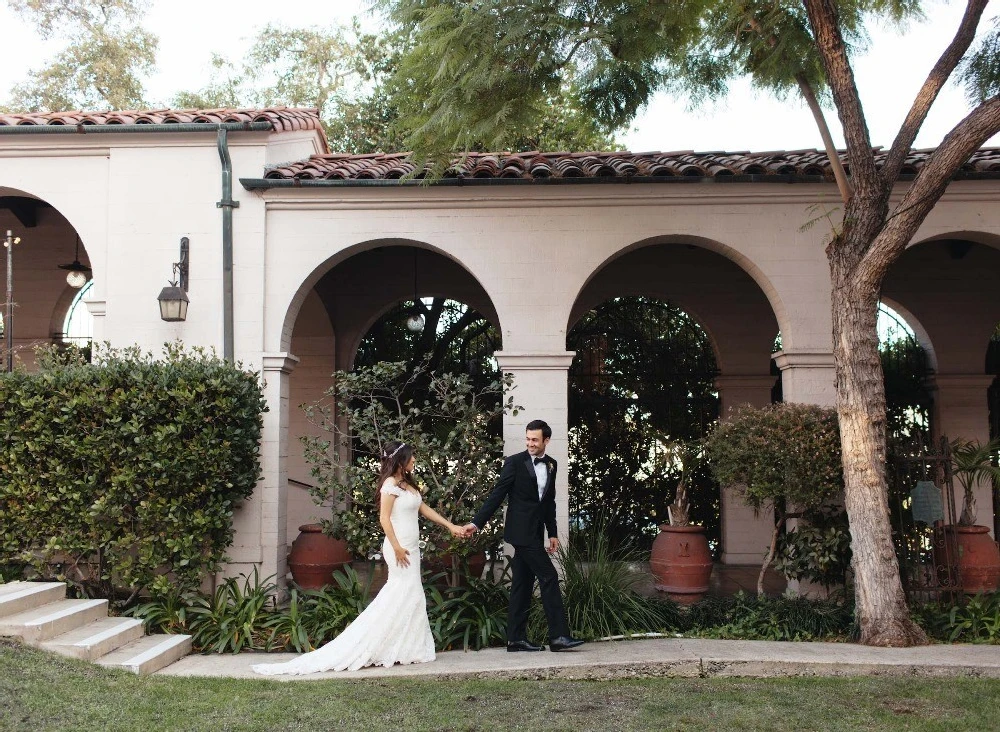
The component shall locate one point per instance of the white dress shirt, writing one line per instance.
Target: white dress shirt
(542, 475)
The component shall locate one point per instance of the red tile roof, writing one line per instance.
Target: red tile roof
(531, 166)
(282, 119)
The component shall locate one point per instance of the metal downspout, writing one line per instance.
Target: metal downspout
(227, 204)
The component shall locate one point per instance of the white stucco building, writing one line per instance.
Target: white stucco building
(323, 244)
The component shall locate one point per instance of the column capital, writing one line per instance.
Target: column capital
(961, 381)
(534, 360)
(803, 360)
(283, 362)
(97, 308)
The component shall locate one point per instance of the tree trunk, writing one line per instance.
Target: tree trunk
(880, 602)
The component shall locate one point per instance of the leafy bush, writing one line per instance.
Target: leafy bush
(748, 617)
(975, 620)
(124, 475)
(454, 432)
(600, 597)
(818, 550)
(473, 616)
(783, 455)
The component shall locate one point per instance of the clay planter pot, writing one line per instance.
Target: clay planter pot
(315, 556)
(978, 558)
(681, 563)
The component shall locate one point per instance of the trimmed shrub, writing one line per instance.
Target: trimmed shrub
(123, 476)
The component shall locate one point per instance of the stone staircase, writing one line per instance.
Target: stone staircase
(39, 614)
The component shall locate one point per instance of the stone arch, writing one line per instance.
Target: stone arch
(747, 265)
(328, 265)
(48, 240)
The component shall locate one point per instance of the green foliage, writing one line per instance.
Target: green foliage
(817, 550)
(104, 63)
(642, 381)
(972, 620)
(472, 72)
(233, 617)
(749, 617)
(124, 475)
(972, 462)
(980, 70)
(599, 592)
(473, 615)
(454, 431)
(784, 451)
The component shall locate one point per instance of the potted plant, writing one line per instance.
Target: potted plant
(453, 428)
(784, 458)
(680, 560)
(977, 554)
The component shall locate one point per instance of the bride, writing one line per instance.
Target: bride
(394, 627)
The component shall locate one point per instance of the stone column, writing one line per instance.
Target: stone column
(961, 411)
(540, 389)
(261, 534)
(745, 536)
(807, 377)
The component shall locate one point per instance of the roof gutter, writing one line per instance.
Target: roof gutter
(114, 129)
(260, 184)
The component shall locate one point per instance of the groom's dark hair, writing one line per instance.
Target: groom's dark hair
(538, 424)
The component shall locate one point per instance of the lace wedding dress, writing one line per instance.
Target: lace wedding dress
(394, 627)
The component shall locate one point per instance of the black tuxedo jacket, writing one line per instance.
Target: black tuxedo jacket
(527, 515)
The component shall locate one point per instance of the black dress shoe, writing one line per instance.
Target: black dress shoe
(564, 643)
(523, 645)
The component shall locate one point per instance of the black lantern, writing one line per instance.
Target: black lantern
(77, 273)
(174, 299)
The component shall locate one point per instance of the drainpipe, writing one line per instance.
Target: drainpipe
(227, 204)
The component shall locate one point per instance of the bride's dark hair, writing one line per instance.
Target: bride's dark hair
(395, 457)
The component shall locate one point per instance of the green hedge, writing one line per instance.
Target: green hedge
(123, 476)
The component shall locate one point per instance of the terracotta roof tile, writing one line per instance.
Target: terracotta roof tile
(563, 165)
(282, 119)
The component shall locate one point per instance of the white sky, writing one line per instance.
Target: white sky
(888, 76)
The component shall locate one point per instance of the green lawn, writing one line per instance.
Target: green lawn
(43, 692)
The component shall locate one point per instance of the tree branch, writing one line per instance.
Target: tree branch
(937, 78)
(839, 174)
(839, 75)
(927, 188)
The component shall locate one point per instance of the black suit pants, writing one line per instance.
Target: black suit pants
(528, 564)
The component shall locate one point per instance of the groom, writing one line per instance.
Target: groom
(528, 482)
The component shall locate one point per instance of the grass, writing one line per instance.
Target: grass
(43, 692)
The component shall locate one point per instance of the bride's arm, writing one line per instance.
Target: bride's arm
(428, 512)
(402, 555)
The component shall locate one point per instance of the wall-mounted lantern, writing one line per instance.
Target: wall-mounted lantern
(173, 299)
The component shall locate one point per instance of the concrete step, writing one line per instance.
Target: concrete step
(96, 639)
(16, 597)
(42, 623)
(148, 654)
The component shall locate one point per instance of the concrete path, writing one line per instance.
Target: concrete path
(680, 657)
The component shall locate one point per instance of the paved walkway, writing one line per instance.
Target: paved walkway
(681, 657)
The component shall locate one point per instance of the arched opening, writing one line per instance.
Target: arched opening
(642, 379)
(669, 335)
(48, 250)
(360, 312)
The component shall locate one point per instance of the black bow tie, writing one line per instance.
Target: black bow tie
(539, 460)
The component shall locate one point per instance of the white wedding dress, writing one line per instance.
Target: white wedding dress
(394, 627)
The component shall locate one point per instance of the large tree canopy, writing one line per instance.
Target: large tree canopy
(474, 69)
(104, 63)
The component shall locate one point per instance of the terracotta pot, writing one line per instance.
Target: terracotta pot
(315, 556)
(978, 558)
(681, 562)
